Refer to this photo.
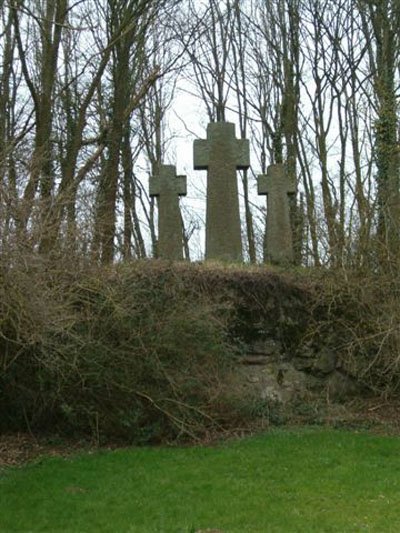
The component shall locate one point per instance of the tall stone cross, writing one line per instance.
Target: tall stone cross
(277, 186)
(221, 154)
(167, 186)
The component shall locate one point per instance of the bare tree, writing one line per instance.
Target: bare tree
(50, 19)
(381, 26)
(274, 89)
(239, 69)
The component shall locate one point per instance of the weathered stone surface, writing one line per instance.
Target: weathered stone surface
(307, 351)
(303, 363)
(275, 375)
(167, 186)
(221, 154)
(277, 186)
(253, 359)
(339, 386)
(266, 347)
(325, 362)
(279, 381)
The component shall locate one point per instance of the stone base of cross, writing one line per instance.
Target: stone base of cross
(277, 186)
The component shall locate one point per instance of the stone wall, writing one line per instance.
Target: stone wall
(286, 343)
(276, 374)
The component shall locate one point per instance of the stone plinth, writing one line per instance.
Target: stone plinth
(277, 186)
(221, 154)
(167, 186)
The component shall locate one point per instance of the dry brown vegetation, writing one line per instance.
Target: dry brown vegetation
(145, 351)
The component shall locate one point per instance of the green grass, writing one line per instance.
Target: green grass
(282, 481)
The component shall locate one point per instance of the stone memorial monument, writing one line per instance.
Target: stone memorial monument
(167, 186)
(277, 186)
(221, 154)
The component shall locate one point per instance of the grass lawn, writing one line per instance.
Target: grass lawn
(301, 480)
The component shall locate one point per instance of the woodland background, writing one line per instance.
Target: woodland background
(90, 91)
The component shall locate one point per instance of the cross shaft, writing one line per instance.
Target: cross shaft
(221, 154)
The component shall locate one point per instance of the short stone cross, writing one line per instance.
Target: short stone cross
(277, 186)
(167, 186)
(221, 154)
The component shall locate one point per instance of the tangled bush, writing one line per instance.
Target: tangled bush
(357, 313)
(129, 352)
(145, 351)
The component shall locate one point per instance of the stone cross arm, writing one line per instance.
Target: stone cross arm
(165, 181)
(220, 144)
(276, 181)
